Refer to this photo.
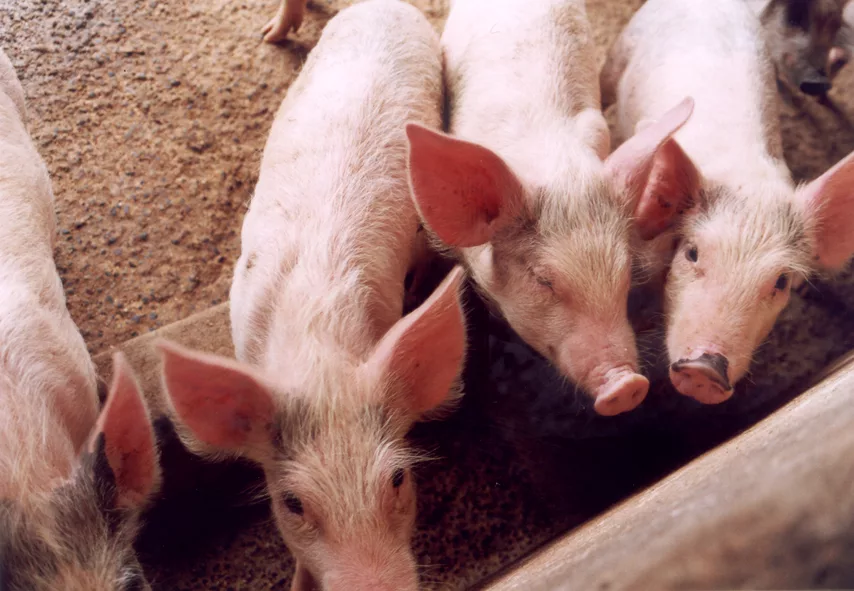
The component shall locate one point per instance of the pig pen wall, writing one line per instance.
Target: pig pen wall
(151, 116)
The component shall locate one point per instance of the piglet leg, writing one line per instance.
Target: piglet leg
(288, 18)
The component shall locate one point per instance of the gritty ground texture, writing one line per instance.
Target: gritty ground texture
(152, 116)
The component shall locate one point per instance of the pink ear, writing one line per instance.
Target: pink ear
(220, 401)
(828, 202)
(423, 353)
(632, 163)
(464, 191)
(128, 439)
(670, 189)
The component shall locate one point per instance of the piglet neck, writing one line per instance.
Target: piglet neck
(36, 451)
(346, 323)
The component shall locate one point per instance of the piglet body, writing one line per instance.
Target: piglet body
(522, 195)
(330, 375)
(750, 234)
(64, 473)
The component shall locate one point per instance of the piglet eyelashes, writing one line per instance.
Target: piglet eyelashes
(692, 254)
(293, 503)
(397, 478)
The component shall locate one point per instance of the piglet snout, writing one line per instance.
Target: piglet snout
(704, 378)
(815, 84)
(623, 391)
(368, 583)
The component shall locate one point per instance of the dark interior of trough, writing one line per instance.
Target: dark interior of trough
(151, 116)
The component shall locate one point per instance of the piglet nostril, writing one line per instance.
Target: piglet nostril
(714, 366)
(816, 87)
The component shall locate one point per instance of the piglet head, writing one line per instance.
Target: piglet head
(728, 282)
(735, 268)
(79, 536)
(554, 259)
(337, 467)
(800, 35)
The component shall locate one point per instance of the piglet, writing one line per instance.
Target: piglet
(72, 483)
(521, 194)
(749, 234)
(802, 38)
(330, 376)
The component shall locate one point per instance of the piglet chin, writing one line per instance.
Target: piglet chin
(623, 391)
(369, 584)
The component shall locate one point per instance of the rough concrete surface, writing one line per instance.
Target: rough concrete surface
(152, 115)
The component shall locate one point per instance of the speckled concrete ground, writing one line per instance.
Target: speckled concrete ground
(151, 116)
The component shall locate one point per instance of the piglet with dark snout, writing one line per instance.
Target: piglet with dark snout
(749, 234)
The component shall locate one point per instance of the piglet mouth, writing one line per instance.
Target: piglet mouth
(704, 378)
(622, 391)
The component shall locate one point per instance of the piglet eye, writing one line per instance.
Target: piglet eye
(397, 478)
(692, 254)
(545, 282)
(540, 279)
(782, 282)
(293, 503)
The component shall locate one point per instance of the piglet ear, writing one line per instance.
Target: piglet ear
(222, 403)
(421, 356)
(124, 441)
(828, 203)
(671, 188)
(464, 192)
(651, 156)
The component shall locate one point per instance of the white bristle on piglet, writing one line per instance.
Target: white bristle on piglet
(330, 376)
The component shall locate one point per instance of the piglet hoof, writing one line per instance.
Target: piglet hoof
(704, 379)
(621, 395)
(288, 18)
